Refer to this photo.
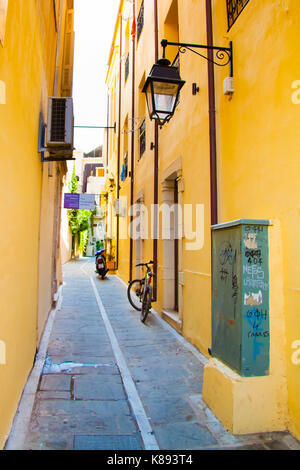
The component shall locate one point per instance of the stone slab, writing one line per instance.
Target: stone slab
(82, 417)
(98, 388)
(55, 382)
(169, 410)
(184, 436)
(53, 395)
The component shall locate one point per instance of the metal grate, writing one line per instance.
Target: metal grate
(140, 21)
(58, 120)
(107, 443)
(234, 9)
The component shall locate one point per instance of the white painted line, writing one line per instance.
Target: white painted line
(149, 440)
(82, 267)
(21, 421)
(201, 358)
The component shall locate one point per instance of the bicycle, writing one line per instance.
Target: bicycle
(139, 292)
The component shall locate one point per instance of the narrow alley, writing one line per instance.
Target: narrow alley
(105, 381)
(143, 151)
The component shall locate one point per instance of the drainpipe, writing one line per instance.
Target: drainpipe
(132, 151)
(212, 118)
(155, 198)
(212, 126)
(119, 135)
(107, 133)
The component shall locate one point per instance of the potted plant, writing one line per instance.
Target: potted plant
(110, 257)
(110, 262)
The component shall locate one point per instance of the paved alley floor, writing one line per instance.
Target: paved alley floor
(110, 382)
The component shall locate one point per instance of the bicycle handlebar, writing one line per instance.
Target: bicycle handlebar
(144, 264)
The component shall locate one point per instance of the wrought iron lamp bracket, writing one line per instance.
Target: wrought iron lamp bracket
(222, 55)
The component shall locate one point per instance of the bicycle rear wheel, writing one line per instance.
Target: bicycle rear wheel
(146, 306)
(135, 291)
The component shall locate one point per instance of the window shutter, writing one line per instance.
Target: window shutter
(3, 10)
(67, 73)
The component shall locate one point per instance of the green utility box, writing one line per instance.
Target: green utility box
(240, 296)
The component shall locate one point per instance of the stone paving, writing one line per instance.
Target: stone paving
(82, 403)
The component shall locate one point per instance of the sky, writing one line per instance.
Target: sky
(94, 27)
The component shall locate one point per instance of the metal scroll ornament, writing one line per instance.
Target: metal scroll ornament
(222, 57)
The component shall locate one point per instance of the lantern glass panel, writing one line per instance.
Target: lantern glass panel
(149, 99)
(165, 96)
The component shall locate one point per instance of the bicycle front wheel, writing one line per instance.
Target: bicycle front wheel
(146, 306)
(135, 291)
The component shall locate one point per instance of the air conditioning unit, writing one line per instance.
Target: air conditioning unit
(60, 128)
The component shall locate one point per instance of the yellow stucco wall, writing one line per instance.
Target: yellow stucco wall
(258, 172)
(258, 157)
(172, 145)
(27, 67)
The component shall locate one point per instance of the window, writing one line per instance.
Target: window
(142, 138)
(100, 172)
(171, 30)
(68, 60)
(140, 21)
(234, 9)
(126, 67)
(125, 169)
(126, 51)
(3, 11)
(124, 172)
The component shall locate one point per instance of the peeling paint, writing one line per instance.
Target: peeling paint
(253, 299)
(250, 242)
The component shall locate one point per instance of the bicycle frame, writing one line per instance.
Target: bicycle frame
(148, 278)
(144, 290)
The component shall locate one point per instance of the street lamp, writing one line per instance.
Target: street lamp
(163, 85)
(162, 90)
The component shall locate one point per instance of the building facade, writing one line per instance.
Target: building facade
(228, 155)
(36, 60)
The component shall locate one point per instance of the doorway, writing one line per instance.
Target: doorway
(171, 245)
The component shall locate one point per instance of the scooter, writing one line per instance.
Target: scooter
(101, 268)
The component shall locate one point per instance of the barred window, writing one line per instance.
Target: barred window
(140, 21)
(142, 138)
(234, 9)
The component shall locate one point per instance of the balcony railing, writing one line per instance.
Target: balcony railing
(234, 9)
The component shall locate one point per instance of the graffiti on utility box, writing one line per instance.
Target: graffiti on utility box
(240, 323)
